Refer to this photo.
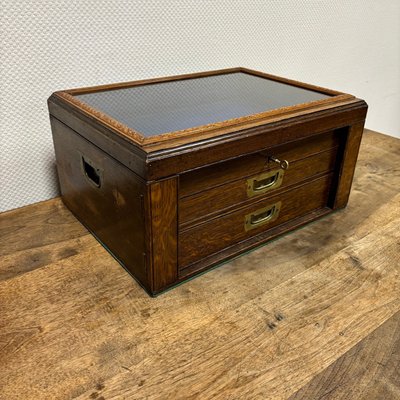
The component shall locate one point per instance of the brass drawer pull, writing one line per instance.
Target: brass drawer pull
(262, 216)
(264, 182)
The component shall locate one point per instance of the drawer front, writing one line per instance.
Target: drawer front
(218, 174)
(269, 183)
(218, 233)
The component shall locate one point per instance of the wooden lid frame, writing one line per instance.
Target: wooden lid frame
(200, 133)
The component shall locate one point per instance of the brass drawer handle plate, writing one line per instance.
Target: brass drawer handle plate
(262, 216)
(264, 182)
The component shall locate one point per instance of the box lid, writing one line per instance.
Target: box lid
(168, 112)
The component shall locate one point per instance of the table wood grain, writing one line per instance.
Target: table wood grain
(312, 315)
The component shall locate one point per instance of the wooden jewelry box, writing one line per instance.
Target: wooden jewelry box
(175, 175)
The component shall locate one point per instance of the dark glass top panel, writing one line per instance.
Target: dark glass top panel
(171, 106)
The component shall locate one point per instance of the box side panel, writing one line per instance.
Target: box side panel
(105, 196)
(348, 165)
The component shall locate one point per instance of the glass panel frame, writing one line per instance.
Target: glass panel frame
(174, 105)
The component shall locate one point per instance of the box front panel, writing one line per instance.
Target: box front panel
(207, 192)
(225, 206)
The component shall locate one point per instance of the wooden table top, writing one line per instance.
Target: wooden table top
(312, 315)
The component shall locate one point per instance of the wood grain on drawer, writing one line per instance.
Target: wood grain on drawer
(217, 174)
(219, 198)
(218, 233)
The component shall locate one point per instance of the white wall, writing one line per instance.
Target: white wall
(352, 46)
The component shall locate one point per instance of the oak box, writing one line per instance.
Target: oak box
(175, 175)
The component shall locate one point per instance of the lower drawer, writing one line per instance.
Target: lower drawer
(218, 233)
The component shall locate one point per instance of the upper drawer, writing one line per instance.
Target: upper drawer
(220, 198)
(217, 174)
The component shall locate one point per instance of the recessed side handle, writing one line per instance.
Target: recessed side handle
(264, 182)
(91, 172)
(262, 216)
